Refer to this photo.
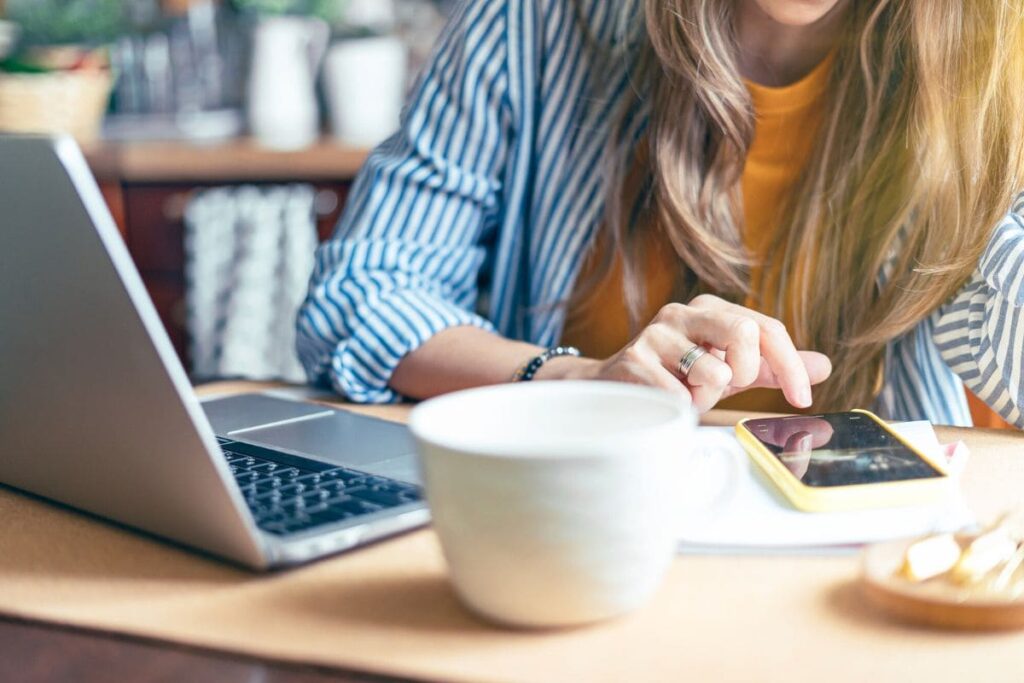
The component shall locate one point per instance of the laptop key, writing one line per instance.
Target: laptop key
(354, 506)
(311, 479)
(333, 488)
(291, 490)
(328, 516)
(316, 496)
(271, 495)
(267, 483)
(262, 510)
(291, 508)
(313, 509)
(343, 474)
(299, 522)
(281, 515)
(353, 490)
(379, 496)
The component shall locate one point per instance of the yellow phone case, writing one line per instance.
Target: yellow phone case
(851, 497)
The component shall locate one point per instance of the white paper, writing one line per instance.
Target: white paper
(731, 506)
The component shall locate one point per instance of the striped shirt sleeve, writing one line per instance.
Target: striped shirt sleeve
(980, 333)
(404, 262)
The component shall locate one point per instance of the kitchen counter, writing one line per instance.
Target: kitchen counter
(240, 160)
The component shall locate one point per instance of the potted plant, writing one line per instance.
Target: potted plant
(324, 9)
(58, 79)
(84, 23)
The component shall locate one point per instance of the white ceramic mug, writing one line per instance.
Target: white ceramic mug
(556, 503)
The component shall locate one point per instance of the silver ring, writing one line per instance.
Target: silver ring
(690, 359)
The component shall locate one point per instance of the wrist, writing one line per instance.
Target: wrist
(565, 367)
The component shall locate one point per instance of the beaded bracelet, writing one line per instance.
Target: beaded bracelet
(530, 368)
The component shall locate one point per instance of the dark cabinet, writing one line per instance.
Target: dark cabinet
(152, 218)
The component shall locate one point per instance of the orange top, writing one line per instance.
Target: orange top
(786, 120)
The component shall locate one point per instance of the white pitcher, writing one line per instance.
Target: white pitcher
(283, 110)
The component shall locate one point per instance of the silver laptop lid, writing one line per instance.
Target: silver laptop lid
(95, 408)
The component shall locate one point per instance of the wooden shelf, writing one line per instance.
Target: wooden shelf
(234, 161)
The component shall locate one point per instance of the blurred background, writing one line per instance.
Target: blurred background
(224, 135)
(212, 69)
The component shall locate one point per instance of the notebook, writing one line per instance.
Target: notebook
(732, 507)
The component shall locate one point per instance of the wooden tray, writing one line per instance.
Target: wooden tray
(932, 602)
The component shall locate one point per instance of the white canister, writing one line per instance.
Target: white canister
(365, 80)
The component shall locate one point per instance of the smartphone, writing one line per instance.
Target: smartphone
(842, 461)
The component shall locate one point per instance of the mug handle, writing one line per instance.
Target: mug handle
(319, 37)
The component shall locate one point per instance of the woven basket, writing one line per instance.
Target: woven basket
(60, 102)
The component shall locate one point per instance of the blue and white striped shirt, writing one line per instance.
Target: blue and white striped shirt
(480, 211)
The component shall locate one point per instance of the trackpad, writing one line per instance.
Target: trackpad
(347, 440)
(251, 410)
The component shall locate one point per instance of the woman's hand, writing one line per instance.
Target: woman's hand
(746, 349)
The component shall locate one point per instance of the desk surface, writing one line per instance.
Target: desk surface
(717, 618)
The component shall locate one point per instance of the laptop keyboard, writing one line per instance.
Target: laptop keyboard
(288, 493)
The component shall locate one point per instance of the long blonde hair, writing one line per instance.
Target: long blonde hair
(919, 154)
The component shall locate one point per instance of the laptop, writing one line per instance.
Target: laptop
(96, 411)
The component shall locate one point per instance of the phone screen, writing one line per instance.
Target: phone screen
(839, 449)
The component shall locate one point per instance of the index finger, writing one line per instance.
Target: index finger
(778, 350)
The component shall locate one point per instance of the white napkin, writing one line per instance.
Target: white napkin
(731, 506)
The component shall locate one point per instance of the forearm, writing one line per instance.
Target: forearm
(464, 357)
(460, 357)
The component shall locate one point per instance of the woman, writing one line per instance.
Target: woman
(783, 182)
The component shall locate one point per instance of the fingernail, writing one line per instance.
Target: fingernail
(805, 398)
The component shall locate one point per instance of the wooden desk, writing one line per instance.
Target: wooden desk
(717, 618)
